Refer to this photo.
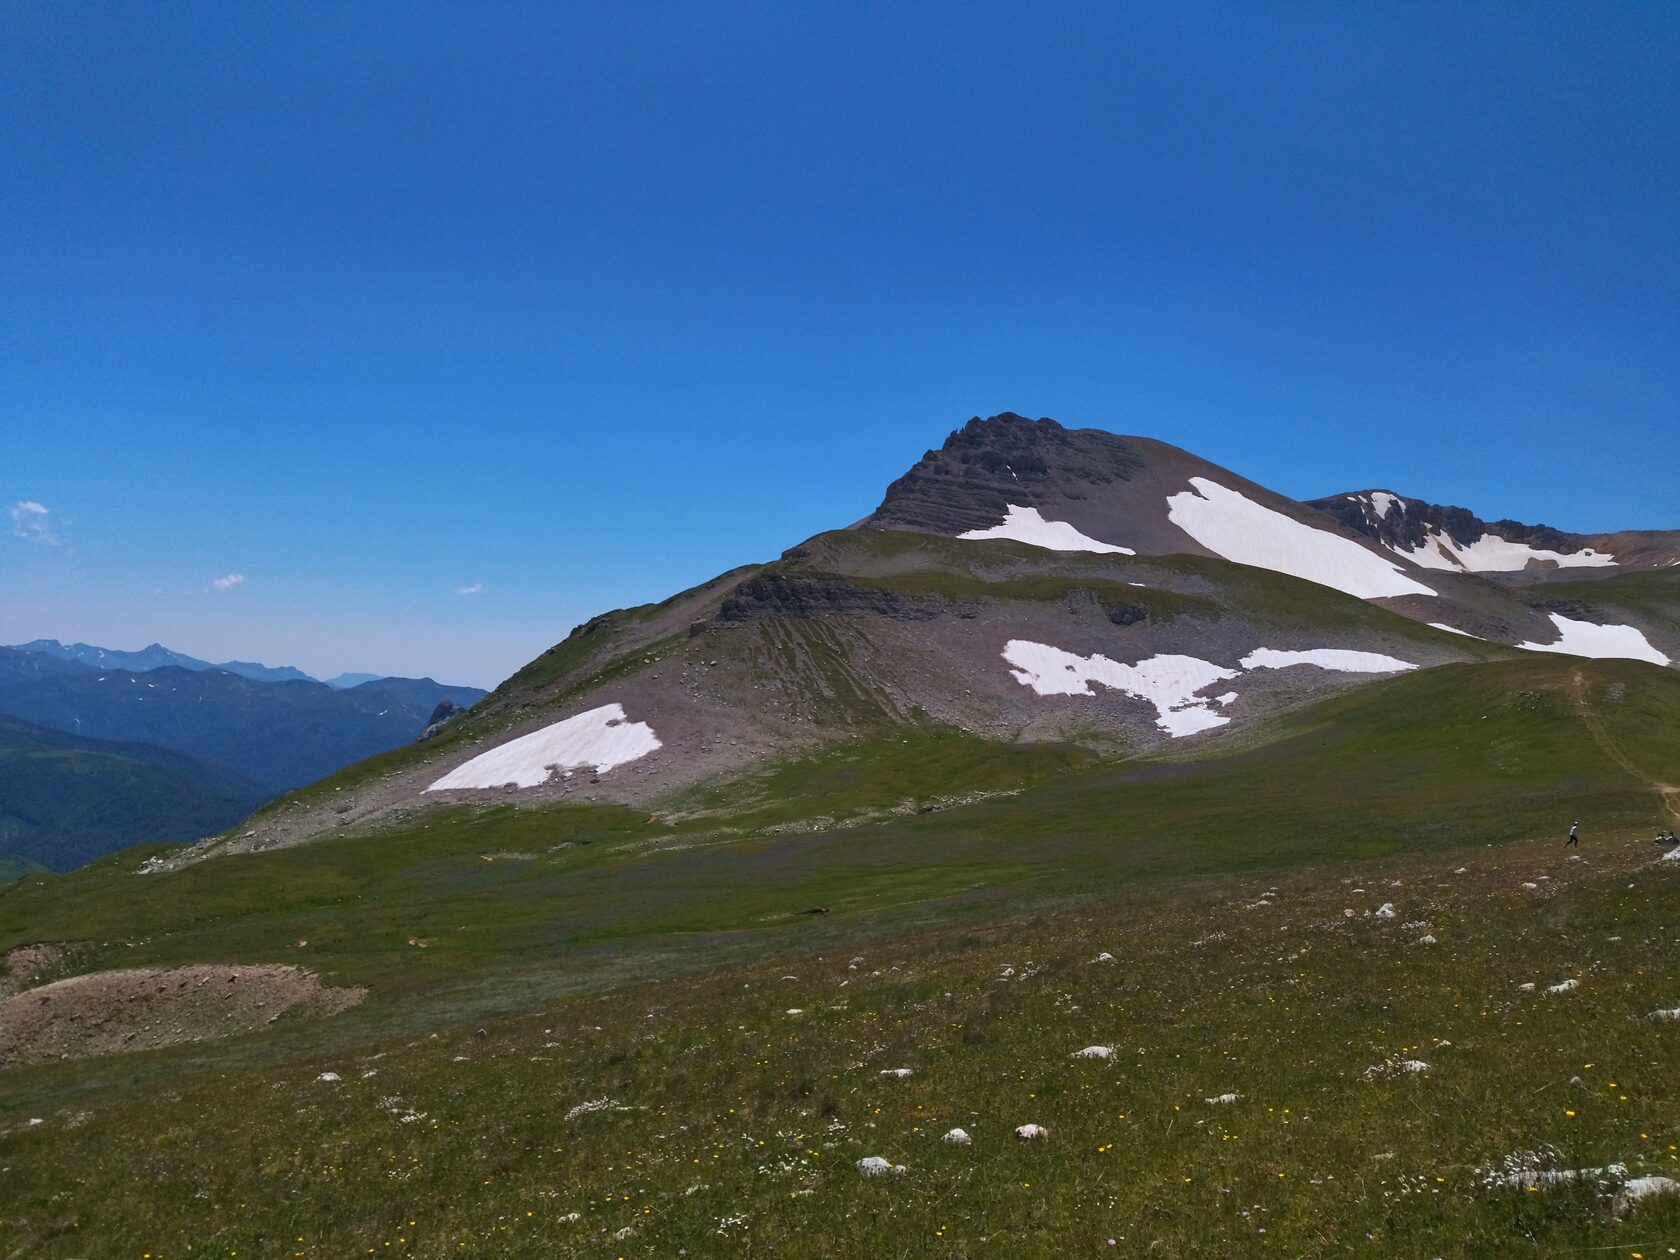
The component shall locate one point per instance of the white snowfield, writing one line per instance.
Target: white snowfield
(1492, 554)
(1169, 683)
(1441, 625)
(1339, 659)
(601, 738)
(1026, 524)
(1583, 638)
(1233, 526)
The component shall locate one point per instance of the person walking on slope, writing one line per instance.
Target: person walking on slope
(1574, 835)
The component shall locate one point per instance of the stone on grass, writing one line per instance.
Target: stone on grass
(1031, 1132)
(875, 1166)
(958, 1137)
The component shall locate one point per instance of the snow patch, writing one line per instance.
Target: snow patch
(1025, 524)
(603, 738)
(1382, 503)
(1235, 527)
(1441, 625)
(1170, 683)
(1338, 659)
(1584, 638)
(1492, 554)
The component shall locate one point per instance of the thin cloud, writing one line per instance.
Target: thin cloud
(229, 582)
(477, 588)
(31, 521)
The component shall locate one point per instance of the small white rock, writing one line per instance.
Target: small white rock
(958, 1137)
(1223, 1098)
(1030, 1132)
(1563, 986)
(329, 1078)
(875, 1166)
(900, 1073)
(1386, 910)
(1104, 957)
(1643, 1188)
(1426, 939)
(1095, 1052)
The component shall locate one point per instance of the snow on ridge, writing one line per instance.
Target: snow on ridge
(1233, 526)
(601, 738)
(1027, 525)
(1382, 503)
(1441, 625)
(1170, 683)
(1340, 659)
(1584, 638)
(1492, 554)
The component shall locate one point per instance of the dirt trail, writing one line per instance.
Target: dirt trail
(1668, 793)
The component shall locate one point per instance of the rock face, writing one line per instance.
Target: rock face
(816, 595)
(445, 710)
(988, 464)
(1406, 524)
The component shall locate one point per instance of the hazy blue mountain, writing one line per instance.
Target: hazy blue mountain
(279, 735)
(420, 692)
(156, 656)
(344, 681)
(66, 800)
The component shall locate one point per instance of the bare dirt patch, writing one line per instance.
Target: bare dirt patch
(25, 966)
(113, 1012)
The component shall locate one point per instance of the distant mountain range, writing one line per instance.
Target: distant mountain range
(159, 657)
(107, 748)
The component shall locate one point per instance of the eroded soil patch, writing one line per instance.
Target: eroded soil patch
(112, 1012)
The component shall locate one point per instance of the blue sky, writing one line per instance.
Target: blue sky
(582, 304)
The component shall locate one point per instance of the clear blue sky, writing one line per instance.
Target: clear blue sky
(585, 303)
